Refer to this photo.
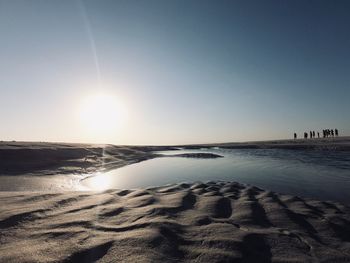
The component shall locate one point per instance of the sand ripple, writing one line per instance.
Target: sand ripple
(202, 222)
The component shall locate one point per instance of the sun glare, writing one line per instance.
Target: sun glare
(99, 182)
(101, 115)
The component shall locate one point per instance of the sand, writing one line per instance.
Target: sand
(341, 143)
(198, 222)
(40, 166)
(201, 222)
(44, 158)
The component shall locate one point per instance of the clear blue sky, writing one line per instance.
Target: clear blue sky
(185, 71)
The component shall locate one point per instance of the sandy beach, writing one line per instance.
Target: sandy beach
(203, 222)
(45, 158)
(174, 131)
(191, 222)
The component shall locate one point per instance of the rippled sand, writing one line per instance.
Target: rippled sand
(211, 222)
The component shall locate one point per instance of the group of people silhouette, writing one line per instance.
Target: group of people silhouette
(325, 133)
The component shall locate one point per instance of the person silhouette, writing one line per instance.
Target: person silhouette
(310, 134)
(336, 132)
(332, 132)
(295, 136)
(313, 134)
(305, 135)
(318, 134)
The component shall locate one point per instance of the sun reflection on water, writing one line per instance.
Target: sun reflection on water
(100, 182)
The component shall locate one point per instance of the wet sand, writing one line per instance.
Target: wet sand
(211, 222)
(341, 143)
(43, 158)
(28, 166)
(197, 222)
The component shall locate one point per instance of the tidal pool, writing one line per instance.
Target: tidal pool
(320, 174)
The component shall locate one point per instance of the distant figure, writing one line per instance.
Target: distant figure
(336, 132)
(305, 135)
(310, 134)
(318, 134)
(332, 132)
(295, 136)
(313, 134)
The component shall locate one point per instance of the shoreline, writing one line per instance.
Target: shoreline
(43, 158)
(190, 222)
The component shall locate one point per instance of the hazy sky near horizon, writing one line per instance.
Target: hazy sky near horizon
(183, 71)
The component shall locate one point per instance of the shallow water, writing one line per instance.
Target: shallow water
(317, 174)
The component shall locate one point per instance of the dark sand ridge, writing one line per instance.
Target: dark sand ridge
(211, 222)
(18, 158)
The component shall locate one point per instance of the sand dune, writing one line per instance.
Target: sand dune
(202, 222)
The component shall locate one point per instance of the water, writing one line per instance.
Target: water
(323, 175)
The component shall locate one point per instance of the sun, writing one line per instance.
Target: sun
(101, 115)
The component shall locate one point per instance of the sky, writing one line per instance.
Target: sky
(180, 71)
